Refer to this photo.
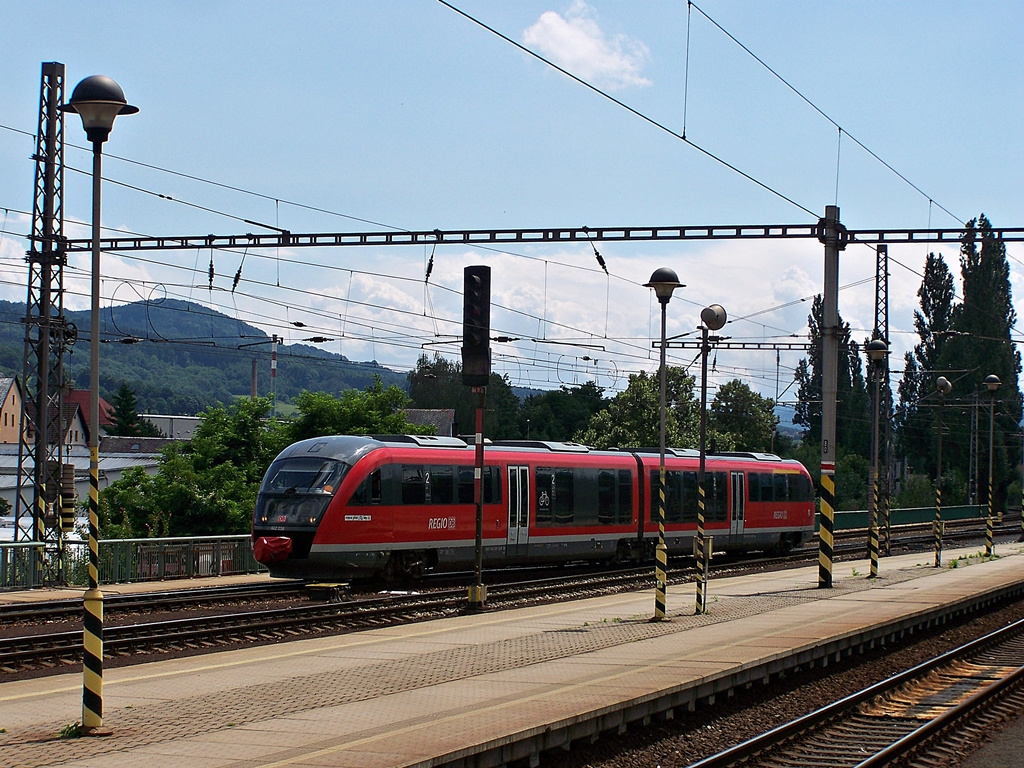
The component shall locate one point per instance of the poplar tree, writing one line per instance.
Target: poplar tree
(915, 417)
(980, 344)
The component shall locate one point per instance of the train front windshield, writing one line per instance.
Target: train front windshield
(296, 491)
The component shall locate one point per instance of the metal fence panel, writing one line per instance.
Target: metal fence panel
(127, 560)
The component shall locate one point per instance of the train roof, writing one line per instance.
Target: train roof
(351, 448)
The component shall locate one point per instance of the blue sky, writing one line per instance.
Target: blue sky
(405, 114)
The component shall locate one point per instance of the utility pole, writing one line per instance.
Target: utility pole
(47, 333)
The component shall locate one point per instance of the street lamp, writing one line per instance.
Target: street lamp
(943, 387)
(992, 383)
(712, 319)
(877, 349)
(97, 100)
(664, 281)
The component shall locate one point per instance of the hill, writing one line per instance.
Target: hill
(180, 357)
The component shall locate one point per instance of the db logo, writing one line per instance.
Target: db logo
(441, 524)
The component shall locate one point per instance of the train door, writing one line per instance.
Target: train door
(518, 511)
(738, 506)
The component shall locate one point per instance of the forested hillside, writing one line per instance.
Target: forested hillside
(180, 357)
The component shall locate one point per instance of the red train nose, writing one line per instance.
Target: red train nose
(272, 549)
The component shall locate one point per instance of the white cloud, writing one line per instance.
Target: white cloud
(577, 43)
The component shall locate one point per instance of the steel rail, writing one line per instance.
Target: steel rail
(146, 601)
(784, 736)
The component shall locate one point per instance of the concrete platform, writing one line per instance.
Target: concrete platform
(469, 688)
(135, 587)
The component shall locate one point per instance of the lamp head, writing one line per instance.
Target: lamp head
(877, 350)
(713, 317)
(98, 100)
(664, 281)
(992, 382)
(943, 386)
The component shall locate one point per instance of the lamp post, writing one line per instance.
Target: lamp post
(664, 281)
(992, 383)
(712, 319)
(877, 349)
(943, 387)
(97, 100)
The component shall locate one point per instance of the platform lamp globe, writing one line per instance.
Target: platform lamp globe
(992, 383)
(664, 281)
(877, 350)
(98, 100)
(943, 387)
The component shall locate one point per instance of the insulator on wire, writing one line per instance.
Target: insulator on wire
(211, 273)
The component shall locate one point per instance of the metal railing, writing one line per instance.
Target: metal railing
(127, 560)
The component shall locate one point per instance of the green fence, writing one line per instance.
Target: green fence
(858, 518)
(22, 565)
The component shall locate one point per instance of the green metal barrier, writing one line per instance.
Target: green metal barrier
(127, 560)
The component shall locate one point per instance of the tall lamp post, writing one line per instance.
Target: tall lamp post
(992, 383)
(97, 100)
(943, 387)
(664, 281)
(712, 319)
(877, 350)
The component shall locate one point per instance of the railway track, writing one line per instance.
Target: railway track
(58, 649)
(176, 599)
(913, 717)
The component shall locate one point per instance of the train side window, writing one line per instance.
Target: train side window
(799, 488)
(492, 485)
(624, 513)
(781, 490)
(414, 484)
(716, 492)
(491, 481)
(564, 501)
(606, 496)
(544, 483)
(369, 491)
(442, 485)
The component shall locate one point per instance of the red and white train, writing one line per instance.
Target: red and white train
(336, 507)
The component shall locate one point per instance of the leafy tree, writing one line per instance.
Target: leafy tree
(632, 416)
(375, 410)
(126, 419)
(561, 413)
(746, 416)
(437, 383)
(204, 486)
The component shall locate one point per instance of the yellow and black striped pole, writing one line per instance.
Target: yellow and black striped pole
(664, 281)
(661, 553)
(701, 553)
(826, 525)
(993, 383)
(873, 530)
(944, 387)
(92, 635)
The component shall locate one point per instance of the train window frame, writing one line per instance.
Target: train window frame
(414, 483)
(369, 492)
(440, 490)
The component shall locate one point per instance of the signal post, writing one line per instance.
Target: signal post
(476, 371)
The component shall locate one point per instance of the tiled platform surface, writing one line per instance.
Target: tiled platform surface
(402, 696)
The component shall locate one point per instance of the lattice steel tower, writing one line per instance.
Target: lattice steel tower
(41, 451)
